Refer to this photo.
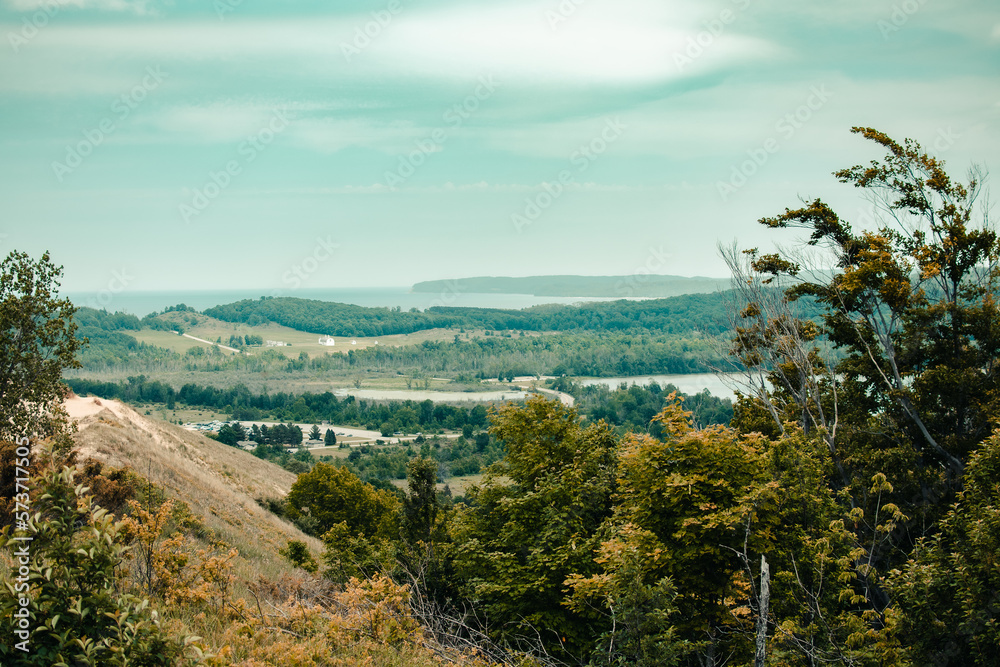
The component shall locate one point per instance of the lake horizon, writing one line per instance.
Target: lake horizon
(142, 303)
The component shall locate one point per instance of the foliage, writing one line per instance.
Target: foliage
(640, 609)
(333, 495)
(349, 554)
(687, 492)
(912, 305)
(902, 399)
(949, 592)
(37, 341)
(689, 312)
(420, 507)
(632, 408)
(533, 522)
(77, 612)
(297, 552)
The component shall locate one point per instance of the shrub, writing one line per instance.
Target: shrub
(76, 612)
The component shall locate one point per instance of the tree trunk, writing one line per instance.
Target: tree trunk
(765, 597)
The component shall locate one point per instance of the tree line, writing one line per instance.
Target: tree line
(705, 313)
(243, 405)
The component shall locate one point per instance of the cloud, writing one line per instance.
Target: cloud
(138, 7)
(634, 44)
(622, 47)
(222, 122)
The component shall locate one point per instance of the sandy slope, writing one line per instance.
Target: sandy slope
(220, 483)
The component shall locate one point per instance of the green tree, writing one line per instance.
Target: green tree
(534, 522)
(314, 433)
(76, 610)
(330, 438)
(911, 305)
(333, 495)
(949, 592)
(420, 507)
(297, 552)
(228, 435)
(640, 608)
(898, 380)
(688, 494)
(37, 341)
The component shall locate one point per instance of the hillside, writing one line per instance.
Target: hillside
(638, 285)
(219, 483)
(222, 588)
(702, 312)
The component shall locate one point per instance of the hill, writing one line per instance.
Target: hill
(218, 482)
(702, 312)
(219, 565)
(638, 285)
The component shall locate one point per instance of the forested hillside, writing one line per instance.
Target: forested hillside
(693, 312)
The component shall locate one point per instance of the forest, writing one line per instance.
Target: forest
(706, 313)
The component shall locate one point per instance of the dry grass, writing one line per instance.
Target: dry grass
(219, 483)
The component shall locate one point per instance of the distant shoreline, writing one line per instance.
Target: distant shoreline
(143, 303)
(639, 285)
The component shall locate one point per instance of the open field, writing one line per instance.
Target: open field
(212, 329)
(179, 416)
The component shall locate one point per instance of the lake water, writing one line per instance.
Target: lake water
(693, 383)
(144, 303)
(436, 396)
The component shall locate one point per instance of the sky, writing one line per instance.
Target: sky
(287, 144)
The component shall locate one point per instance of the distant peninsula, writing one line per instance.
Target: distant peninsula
(637, 285)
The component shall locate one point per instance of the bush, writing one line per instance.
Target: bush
(75, 611)
(297, 552)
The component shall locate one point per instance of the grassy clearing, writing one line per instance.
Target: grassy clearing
(211, 329)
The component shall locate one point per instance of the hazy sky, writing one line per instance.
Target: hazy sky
(282, 144)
